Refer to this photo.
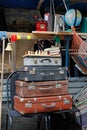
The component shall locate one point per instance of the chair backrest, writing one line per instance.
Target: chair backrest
(11, 89)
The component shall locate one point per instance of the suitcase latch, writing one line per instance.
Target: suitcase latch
(32, 71)
(35, 60)
(66, 101)
(31, 87)
(61, 72)
(28, 104)
(56, 60)
(58, 85)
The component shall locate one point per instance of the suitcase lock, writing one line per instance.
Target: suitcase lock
(35, 60)
(58, 85)
(32, 71)
(28, 104)
(66, 101)
(31, 86)
(55, 60)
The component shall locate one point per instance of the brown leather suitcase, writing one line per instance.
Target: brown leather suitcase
(45, 88)
(42, 104)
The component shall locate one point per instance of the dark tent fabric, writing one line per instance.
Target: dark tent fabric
(32, 4)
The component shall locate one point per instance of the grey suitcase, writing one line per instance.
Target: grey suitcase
(42, 60)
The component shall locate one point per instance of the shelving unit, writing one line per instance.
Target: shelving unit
(35, 35)
(41, 34)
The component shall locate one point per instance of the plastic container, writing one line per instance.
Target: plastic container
(83, 28)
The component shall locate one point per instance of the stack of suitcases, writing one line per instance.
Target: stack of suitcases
(42, 85)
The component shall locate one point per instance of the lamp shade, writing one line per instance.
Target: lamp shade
(9, 47)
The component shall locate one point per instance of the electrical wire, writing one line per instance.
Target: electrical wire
(65, 5)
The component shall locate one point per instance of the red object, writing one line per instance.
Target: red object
(44, 88)
(42, 104)
(41, 25)
(13, 38)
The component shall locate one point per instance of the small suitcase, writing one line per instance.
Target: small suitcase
(42, 73)
(42, 60)
(42, 104)
(44, 88)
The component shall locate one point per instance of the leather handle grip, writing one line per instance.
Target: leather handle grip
(42, 60)
(44, 89)
(49, 106)
(46, 74)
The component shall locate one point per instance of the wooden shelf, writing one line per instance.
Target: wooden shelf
(42, 35)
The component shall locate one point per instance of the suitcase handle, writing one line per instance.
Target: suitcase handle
(44, 89)
(49, 106)
(45, 59)
(48, 74)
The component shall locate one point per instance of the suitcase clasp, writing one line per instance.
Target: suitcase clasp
(66, 101)
(35, 60)
(32, 71)
(31, 86)
(55, 60)
(61, 72)
(28, 104)
(58, 85)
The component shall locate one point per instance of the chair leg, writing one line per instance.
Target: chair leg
(46, 122)
(48, 118)
(7, 122)
(10, 123)
(39, 122)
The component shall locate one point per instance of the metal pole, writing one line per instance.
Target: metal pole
(1, 87)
